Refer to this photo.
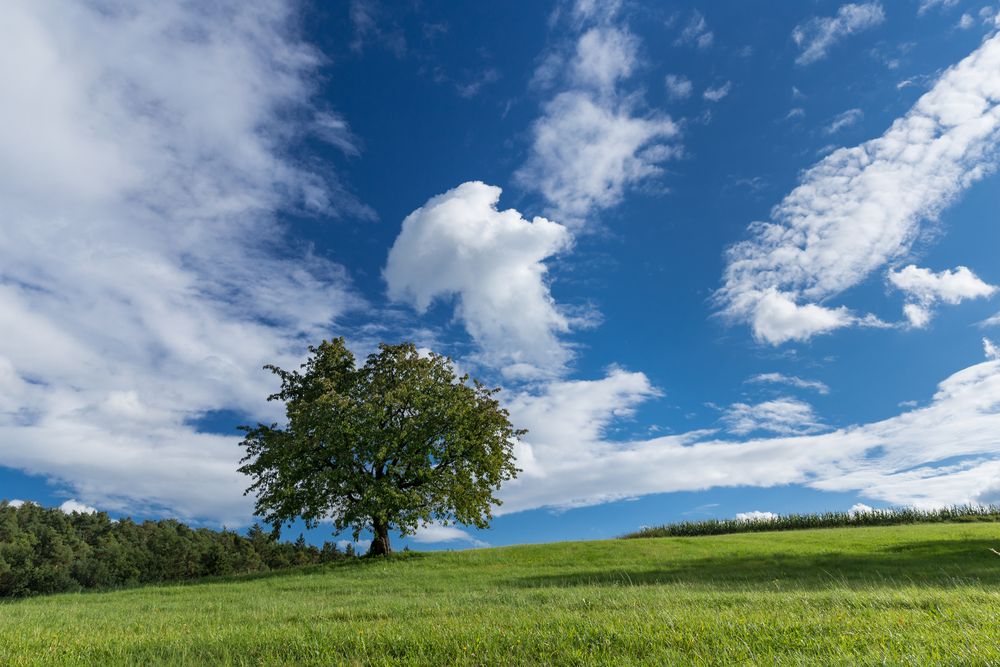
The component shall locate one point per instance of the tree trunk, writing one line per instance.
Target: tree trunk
(380, 545)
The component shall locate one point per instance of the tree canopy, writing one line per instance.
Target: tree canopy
(44, 550)
(398, 442)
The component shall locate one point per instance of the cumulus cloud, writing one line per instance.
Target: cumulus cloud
(756, 515)
(592, 141)
(784, 416)
(940, 454)
(817, 36)
(144, 166)
(948, 286)
(860, 508)
(72, 506)
(679, 87)
(776, 318)
(990, 349)
(460, 245)
(860, 208)
(436, 533)
(16, 502)
(790, 380)
(924, 288)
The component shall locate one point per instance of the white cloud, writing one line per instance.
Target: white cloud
(141, 171)
(16, 502)
(846, 119)
(940, 454)
(372, 24)
(860, 208)
(860, 508)
(718, 92)
(459, 244)
(918, 316)
(436, 533)
(604, 56)
(992, 321)
(679, 87)
(790, 380)
(966, 22)
(924, 288)
(592, 141)
(71, 506)
(586, 153)
(696, 32)
(926, 5)
(949, 286)
(776, 318)
(783, 416)
(755, 516)
(816, 36)
(601, 11)
(334, 129)
(990, 350)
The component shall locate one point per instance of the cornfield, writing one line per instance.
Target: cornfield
(875, 517)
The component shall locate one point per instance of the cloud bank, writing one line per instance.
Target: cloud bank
(944, 453)
(145, 276)
(862, 207)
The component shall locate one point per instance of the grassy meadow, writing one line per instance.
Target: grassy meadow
(915, 594)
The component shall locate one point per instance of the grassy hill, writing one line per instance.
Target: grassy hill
(903, 594)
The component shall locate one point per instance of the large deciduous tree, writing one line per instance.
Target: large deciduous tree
(397, 443)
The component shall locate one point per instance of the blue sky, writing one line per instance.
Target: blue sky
(722, 257)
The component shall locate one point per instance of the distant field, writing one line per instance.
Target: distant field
(926, 594)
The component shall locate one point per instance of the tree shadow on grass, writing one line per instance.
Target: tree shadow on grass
(345, 565)
(935, 563)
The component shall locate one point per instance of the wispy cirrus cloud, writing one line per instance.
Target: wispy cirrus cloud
(817, 36)
(716, 93)
(862, 207)
(679, 87)
(791, 381)
(696, 32)
(782, 416)
(845, 119)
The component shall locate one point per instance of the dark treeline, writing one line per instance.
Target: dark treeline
(875, 517)
(44, 550)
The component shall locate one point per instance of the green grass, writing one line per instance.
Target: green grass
(919, 594)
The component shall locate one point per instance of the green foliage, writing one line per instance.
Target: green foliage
(47, 551)
(398, 442)
(904, 595)
(881, 517)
